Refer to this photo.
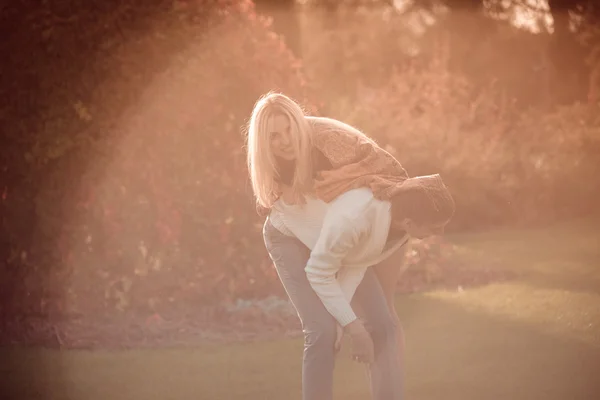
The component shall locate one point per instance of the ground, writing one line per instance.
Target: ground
(534, 336)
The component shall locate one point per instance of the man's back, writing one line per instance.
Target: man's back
(345, 236)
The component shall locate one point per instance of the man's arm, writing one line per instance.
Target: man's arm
(349, 279)
(340, 233)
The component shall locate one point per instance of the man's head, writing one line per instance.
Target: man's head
(422, 206)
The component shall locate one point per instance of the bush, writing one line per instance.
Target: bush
(557, 161)
(143, 201)
(462, 94)
(502, 165)
(433, 263)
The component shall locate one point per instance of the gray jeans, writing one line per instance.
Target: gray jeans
(290, 257)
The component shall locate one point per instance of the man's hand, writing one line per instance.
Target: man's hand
(362, 344)
(339, 335)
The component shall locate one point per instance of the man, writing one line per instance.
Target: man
(356, 231)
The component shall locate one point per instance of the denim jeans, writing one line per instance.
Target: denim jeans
(290, 257)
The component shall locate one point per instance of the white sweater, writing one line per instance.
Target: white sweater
(351, 230)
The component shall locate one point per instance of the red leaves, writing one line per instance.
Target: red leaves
(168, 175)
(154, 319)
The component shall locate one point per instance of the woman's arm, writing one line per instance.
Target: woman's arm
(357, 161)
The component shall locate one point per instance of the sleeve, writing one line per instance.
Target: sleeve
(339, 235)
(357, 161)
(349, 279)
(341, 148)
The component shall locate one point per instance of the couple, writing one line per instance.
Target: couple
(336, 205)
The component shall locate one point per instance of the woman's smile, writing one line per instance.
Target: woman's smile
(280, 136)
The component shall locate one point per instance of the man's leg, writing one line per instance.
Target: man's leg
(290, 257)
(386, 372)
(388, 272)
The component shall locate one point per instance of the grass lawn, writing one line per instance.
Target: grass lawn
(533, 337)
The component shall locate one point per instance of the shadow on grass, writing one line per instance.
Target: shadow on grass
(571, 284)
(28, 373)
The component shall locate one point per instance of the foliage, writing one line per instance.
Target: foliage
(459, 94)
(133, 194)
(558, 163)
(502, 165)
(123, 184)
(362, 45)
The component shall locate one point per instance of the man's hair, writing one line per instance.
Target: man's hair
(425, 200)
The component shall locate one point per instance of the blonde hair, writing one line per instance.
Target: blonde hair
(262, 164)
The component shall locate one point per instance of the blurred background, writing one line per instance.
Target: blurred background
(126, 212)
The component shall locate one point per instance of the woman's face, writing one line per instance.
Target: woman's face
(280, 137)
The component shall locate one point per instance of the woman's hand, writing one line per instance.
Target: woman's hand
(362, 344)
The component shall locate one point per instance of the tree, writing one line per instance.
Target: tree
(285, 21)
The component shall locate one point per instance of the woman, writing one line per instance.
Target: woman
(296, 162)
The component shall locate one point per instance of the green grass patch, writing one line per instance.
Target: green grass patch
(536, 336)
